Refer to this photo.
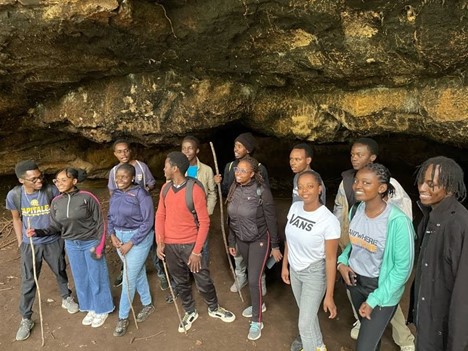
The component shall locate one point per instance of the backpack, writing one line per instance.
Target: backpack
(188, 196)
(17, 193)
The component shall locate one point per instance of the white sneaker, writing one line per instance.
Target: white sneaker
(99, 319)
(88, 320)
(70, 305)
(408, 348)
(242, 283)
(247, 313)
(355, 331)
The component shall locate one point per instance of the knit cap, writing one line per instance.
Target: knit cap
(248, 140)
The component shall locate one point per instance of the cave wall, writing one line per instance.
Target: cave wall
(77, 74)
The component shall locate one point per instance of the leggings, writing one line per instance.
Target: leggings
(371, 330)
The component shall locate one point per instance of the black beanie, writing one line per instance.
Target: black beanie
(22, 167)
(248, 140)
(180, 160)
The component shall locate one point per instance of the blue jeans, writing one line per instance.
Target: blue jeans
(309, 287)
(91, 277)
(134, 270)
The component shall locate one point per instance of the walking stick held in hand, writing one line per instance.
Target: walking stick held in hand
(128, 289)
(173, 295)
(222, 225)
(33, 253)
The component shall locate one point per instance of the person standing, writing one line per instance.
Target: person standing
(363, 152)
(244, 145)
(440, 309)
(203, 173)
(130, 225)
(312, 234)
(77, 215)
(143, 177)
(300, 160)
(378, 261)
(180, 240)
(252, 230)
(29, 204)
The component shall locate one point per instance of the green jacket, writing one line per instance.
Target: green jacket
(397, 262)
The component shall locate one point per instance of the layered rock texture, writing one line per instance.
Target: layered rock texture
(77, 74)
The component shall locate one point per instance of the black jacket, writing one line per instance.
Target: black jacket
(440, 308)
(252, 214)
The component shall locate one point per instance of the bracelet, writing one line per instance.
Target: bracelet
(198, 255)
(338, 266)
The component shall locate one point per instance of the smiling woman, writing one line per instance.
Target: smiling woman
(378, 261)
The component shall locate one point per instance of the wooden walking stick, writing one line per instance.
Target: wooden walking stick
(37, 282)
(236, 281)
(128, 289)
(173, 295)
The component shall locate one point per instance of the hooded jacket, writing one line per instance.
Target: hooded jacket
(397, 262)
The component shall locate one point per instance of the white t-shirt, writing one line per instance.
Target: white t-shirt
(306, 233)
(368, 237)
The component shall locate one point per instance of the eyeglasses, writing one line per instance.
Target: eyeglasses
(240, 170)
(35, 179)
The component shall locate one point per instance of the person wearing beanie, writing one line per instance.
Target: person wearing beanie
(29, 204)
(180, 240)
(244, 145)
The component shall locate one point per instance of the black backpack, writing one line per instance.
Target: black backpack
(188, 195)
(17, 193)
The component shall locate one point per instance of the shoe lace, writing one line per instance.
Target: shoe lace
(254, 326)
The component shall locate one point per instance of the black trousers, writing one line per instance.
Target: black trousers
(177, 256)
(255, 254)
(54, 254)
(371, 330)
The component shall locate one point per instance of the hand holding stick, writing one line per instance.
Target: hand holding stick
(33, 253)
(222, 225)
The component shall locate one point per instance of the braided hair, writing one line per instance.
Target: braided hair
(254, 164)
(383, 175)
(450, 175)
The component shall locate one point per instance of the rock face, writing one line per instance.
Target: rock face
(77, 74)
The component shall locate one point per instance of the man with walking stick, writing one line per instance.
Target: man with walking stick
(180, 236)
(29, 203)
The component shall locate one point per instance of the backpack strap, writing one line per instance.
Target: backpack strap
(230, 165)
(17, 190)
(142, 172)
(353, 210)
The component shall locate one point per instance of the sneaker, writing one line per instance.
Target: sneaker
(70, 305)
(118, 280)
(355, 331)
(99, 319)
(88, 320)
(163, 284)
(169, 298)
(121, 327)
(187, 321)
(24, 329)
(144, 313)
(242, 283)
(248, 311)
(223, 314)
(408, 348)
(255, 331)
(264, 289)
(297, 344)
(322, 348)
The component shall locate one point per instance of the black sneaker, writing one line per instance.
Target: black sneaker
(144, 313)
(163, 284)
(121, 327)
(187, 321)
(169, 298)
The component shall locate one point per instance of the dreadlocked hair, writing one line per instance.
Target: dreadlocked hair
(383, 175)
(450, 175)
(254, 164)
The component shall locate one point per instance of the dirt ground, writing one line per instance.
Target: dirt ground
(64, 331)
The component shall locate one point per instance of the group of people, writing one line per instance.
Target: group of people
(371, 225)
